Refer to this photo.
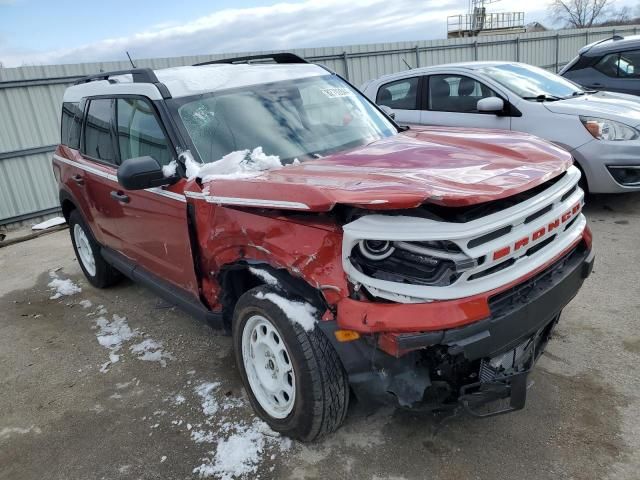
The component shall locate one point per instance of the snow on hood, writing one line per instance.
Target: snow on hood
(609, 105)
(234, 165)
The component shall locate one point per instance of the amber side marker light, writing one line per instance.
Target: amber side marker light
(593, 127)
(346, 335)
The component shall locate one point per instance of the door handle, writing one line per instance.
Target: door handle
(78, 179)
(119, 196)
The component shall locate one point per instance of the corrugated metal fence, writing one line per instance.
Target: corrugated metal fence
(30, 97)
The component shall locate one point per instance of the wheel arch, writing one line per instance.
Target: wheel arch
(584, 180)
(239, 277)
(67, 203)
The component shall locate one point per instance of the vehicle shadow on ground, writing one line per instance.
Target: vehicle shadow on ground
(621, 203)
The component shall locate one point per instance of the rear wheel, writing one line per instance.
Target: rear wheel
(294, 378)
(99, 273)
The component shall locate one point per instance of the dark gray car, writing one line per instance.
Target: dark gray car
(612, 64)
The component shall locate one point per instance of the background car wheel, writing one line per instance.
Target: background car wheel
(99, 273)
(294, 378)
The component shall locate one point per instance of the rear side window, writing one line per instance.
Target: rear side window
(399, 95)
(71, 125)
(139, 131)
(98, 143)
(620, 65)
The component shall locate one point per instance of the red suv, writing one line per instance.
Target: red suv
(422, 267)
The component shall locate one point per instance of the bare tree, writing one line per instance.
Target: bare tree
(579, 13)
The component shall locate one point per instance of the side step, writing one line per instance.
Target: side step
(163, 289)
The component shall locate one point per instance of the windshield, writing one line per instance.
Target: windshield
(532, 83)
(297, 119)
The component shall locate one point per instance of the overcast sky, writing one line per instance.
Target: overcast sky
(72, 31)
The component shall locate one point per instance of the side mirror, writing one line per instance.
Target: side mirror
(140, 173)
(490, 105)
(388, 110)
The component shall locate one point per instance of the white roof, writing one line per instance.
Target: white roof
(185, 81)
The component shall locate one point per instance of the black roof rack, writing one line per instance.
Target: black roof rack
(276, 57)
(139, 75)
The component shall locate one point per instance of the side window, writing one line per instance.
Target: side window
(97, 131)
(608, 65)
(629, 64)
(620, 65)
(139, 132)
(399, 95)
(71, 125)
(456, 93)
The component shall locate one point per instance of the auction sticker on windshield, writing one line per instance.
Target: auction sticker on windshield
(336, 92)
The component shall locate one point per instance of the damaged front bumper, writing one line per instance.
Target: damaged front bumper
(483, 366)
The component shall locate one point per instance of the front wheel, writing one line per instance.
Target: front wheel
(294, 377)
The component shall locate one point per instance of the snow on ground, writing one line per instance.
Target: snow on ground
(112, 335)
(301, 313)
(205, 392)
(7, 432)
(238, 164)
(61, 287)
(240, 447)
(202, 436)
(52, 222)
(85, 303)
(241, 453)
(151, 351)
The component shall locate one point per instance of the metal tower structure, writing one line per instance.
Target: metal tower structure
(478, 22)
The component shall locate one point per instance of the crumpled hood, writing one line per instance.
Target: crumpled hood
(609, 105)
(446, 166)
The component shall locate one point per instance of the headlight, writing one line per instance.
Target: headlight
(376, 249)
(423, 263)
(608, 129)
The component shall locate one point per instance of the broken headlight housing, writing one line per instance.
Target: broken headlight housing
(433, 263)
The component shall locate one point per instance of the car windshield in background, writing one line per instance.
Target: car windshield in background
(297, 119)
(532, 83)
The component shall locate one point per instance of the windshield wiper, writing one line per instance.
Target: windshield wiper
(544, 98)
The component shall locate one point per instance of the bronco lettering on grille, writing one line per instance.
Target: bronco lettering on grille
(538, 234)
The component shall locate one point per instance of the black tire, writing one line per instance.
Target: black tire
(322, 389)
(105, 275)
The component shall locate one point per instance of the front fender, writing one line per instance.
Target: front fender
(312, 253)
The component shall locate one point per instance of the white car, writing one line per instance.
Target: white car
(600, 129)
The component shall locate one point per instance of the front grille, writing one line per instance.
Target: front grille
(489, 236)
(494, 269)
(538, 214)
(477, 256)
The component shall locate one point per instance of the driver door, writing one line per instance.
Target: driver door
(452, 99)
(153, 223)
